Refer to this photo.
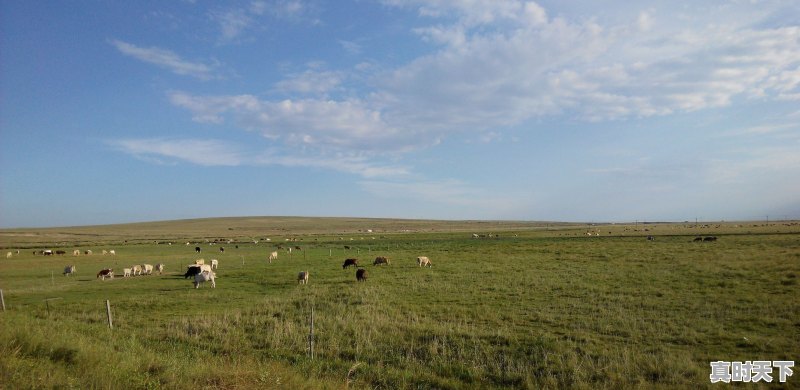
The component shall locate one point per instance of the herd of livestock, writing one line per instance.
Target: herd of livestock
(202, 272)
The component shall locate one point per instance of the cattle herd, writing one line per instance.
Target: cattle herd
(200, 272)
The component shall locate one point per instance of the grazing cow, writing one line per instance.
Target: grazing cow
(147, 269)
(199, 261)
(423, 261)
(69, 270)
(112, 252)
(47, 252)
(381, 260)
(60, 252)
(76, 252)
(191, 270)
(361, 275)
(126, 272)
(221, 250)
(205, 276)
(273, 256)
(696, 239)
(298, 248)
(349, 262)
(88, 252)
(710, 238)
(302, 277)
(105, 252)
(8, 255)
(136, 270)
(214, 263)
(651, 238)
(347, 247)
(197, 249)
(160, 268)
(108, 272)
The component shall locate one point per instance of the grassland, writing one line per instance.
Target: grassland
(534, 306)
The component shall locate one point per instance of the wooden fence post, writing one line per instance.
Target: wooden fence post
(108, 312)
(2, 300)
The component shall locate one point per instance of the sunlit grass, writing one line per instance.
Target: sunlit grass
(539, 309)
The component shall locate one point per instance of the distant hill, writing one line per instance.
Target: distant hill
(248, 228)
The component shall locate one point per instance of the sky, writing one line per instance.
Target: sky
(554, 110)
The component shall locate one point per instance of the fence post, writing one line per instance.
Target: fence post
(108, 312)
(2, 300)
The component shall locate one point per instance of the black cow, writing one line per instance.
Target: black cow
(197, 249)
(191, 271)
(349, 262)
(361, 275)
(105, 273)
(221, 250)
(710, 238)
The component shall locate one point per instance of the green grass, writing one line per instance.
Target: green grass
(538, 307)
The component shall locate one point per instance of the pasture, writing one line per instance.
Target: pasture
(526, 306)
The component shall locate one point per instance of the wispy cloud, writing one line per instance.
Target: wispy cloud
(212, 152)
(504, 62)
(235, 22)
(196, 151)
(167, 59)
(322, 123)
(311, 82)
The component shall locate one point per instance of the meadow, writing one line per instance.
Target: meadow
(528, 305)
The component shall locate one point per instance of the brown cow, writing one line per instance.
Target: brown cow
(381, 260)
(349, 262)
(361, 275)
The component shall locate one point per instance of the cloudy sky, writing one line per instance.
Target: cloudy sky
(474, 109)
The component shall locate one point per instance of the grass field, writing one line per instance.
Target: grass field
(534, 306)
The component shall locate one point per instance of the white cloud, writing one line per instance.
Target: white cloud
(484, 77)
(166, 59)
(166, 150)
(311, 82)
(321, 123)
(235, 22)
(211, 152)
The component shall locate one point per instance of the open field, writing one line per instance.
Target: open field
(537, 305)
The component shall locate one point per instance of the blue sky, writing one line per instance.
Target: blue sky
(615, 111)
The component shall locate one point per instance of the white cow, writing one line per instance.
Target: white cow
(423, 261)
(147, 269)
(136, 270)
(302, 277)
(205, 276)
(112, 252)
(8, 255)
(105, 252)
(205, 268)
(126, 272)
(273, 256)
(160, 268)
(68, 270)
(214, 263)
(88, 252)
(76, 252)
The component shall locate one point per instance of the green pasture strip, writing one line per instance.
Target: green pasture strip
(527, 309)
